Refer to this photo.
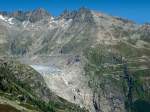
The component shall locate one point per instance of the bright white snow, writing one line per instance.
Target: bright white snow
(6, 19)
(3, 18)
(10, 21)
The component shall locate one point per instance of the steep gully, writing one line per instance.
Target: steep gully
(129, 81)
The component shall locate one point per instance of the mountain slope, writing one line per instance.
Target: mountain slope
(104, 60)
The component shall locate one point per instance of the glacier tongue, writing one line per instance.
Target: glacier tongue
(44, 70)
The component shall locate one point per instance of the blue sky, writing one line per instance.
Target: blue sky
(137, 10)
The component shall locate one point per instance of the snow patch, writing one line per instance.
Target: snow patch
(6, 19)
(10, 21)
(52, 18)
(2, 18)
(25, 23)
(58, 22)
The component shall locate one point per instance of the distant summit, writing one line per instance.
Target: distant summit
(32, 16)
(38, 14)
(83, 14)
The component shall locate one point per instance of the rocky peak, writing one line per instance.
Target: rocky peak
(68, 14)
(144, 31)
(84, 15)
(4, 13)
(39, 14)
(81, 15)
(146, 26)
(84, 10)
(19, 15)
(33, 16)
(40, 11)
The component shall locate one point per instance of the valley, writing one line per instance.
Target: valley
(79, 61)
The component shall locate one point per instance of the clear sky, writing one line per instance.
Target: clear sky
(137, 10)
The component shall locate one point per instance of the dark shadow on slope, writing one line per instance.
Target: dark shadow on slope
(141, 106)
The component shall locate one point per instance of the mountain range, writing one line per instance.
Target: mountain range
(84, 59)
